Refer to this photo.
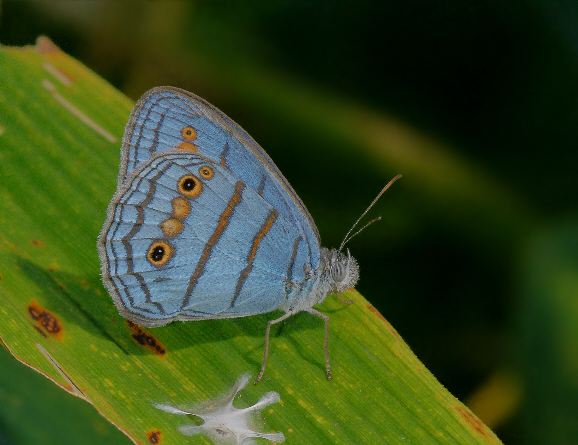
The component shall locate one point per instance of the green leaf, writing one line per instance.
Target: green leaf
(61, 127)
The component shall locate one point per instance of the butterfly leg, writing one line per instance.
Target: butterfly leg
(343, 300)
(326, 342)
(271, 323)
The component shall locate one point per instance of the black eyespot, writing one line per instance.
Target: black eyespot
(159, 253)
(190, 186)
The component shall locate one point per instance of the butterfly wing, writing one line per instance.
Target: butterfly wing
(166, 119)
(187, 239)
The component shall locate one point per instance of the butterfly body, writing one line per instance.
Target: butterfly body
(203, 225)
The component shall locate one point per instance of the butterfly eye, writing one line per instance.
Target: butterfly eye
(206, 172)
(190, 186)
(338, 272)
(189, 133)
(160, 252)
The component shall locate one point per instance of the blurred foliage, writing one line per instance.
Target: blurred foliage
(474, 103)
(548, 333)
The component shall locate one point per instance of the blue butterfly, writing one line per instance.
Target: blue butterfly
(203, 225)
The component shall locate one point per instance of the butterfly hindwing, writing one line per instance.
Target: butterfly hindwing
(166, 119)
(186, 238)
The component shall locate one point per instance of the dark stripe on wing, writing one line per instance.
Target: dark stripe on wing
(136, 227)
(221, 226)
(293, 257)
(261, 186)
(139, 137)
(156, 133)
(224, 155)
(253, 252)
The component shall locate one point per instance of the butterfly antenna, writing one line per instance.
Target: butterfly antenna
(347, 237)
(361, 230)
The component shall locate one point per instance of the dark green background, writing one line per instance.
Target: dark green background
(473, 291)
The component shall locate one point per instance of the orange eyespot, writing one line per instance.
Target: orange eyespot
(190, 186)
(206, 172)
(160, 252)
(189, 133)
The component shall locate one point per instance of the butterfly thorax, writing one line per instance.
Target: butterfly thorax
(336, 272)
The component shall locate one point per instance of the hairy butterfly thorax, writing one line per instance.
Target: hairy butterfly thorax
(336, 273)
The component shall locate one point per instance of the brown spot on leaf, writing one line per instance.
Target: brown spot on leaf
(375, 312)
(475, 423)
(146, 339)
(35, 242)
(154, 436)
(45, 319)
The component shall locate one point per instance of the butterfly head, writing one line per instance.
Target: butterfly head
(343, 270)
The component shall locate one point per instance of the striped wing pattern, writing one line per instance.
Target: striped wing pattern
(186, 238)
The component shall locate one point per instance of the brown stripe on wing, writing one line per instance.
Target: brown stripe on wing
(253, 252)
(261, 186)
(221, 226)
(224, 155)
(293, 257)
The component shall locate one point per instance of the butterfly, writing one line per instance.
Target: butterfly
(203, 225)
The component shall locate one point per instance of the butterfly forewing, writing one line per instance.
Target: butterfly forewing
(166, 119)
